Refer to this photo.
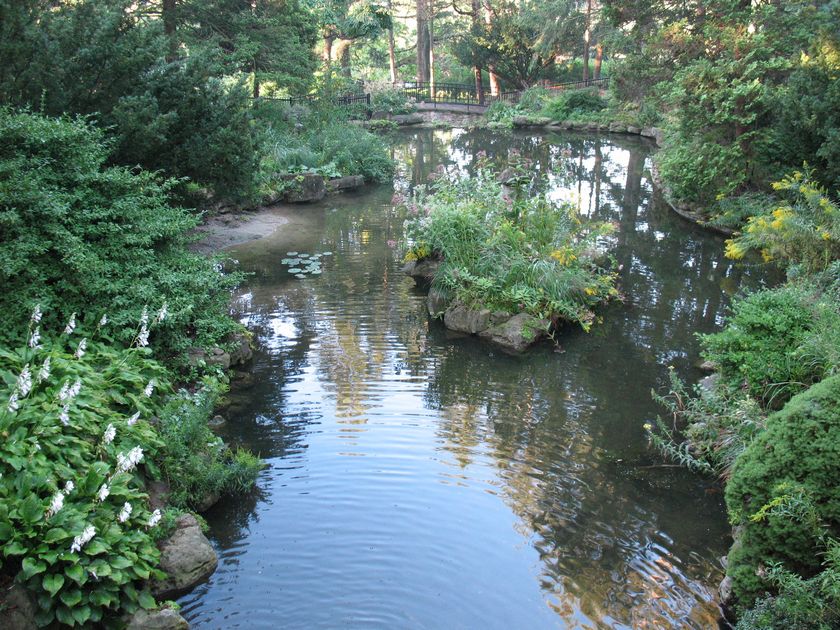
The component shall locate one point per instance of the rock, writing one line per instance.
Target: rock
(218, 357)
(423, 271)
(710, 382)
(158, 494)
(242, 380)
(207, 501)
(436, 303)
(408, 119)
(592, 126)
(647, 132)
(379, 116)
(196, 356)
(350, 182)
(304, 187)
(725, 591)
(633, 130)
(499, 317)
(518, 333)
(617, 127)
(241, 352)
(461, 318)
(186, 557)
(708, 366)
(216, 422)
(17, 608)
(162, 619)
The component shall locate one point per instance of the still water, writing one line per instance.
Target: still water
(418, 479)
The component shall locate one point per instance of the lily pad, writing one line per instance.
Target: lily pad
(296, 270)
(326, 253)
(300, 275)
(303, 255)
(291, 253)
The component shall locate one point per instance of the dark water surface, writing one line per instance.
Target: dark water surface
(422, 480)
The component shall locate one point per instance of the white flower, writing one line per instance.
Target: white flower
(77, 387)
(64, 416)
(133, 419)
(56, 504)
(69, 487)
(80, 351)
(162, 313)
(24, 382)
(14, 405)
(35, 338)
(103, 493)
(125, 512)
(150, 388)
(103, 320)
(44, 372)
(71, 325)
(109, 435)
(128, 461)
(144, 316)
(82, 539)
(154, 519)
(36, 314)
(143, 337)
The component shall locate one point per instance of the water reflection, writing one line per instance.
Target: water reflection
(423, 480)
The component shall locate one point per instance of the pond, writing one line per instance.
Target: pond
(418, 479)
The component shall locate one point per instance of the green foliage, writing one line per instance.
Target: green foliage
(716, 426)
(195, 463)
(804, 231)
(81, 237)
(73, 422)
(794, 457)
(298, 139)
(387, 98)
(574, 104)
(766, 341)
(511, 254)
(734, 212)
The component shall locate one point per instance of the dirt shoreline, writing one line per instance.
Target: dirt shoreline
(228, 230)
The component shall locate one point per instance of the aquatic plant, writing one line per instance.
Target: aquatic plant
(510, 251)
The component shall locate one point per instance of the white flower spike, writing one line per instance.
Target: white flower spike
(109, 435)
(82, 539)
(44, 372)
(125, 512)
(80, 351)
(71, 325)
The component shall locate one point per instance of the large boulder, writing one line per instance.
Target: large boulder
(436, 303)
(162, 619)
(462, 318)
(408, 119)
(17, 608)
(303, 187)
(423, 271)
(241, 352)
(186, 557)
(518, 333)
(349, 182)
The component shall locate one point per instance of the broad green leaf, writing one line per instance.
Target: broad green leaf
(31, 567)
(52, 583)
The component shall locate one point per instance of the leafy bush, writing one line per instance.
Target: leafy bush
(734, 212)
(84, 422)
(805, 231)
(716, 426)
(389, 99)
(81, 237)
(195, 463)
(510, 254)
(699, 169)
(74, 519)
(796, 455)
(574, 104)
(761, 347)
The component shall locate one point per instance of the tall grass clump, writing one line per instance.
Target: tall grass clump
(508, 251)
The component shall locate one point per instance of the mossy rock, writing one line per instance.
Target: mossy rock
(798, 451)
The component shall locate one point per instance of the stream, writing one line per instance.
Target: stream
(420, 479)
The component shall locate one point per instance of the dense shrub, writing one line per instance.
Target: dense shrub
(572, 104)
(77, 236)
(85, 422)
(760, 348)
(797, 454)
(387, 98)
(510, 254)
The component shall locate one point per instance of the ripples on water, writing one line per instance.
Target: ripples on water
(422, 480)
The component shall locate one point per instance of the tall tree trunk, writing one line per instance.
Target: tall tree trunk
(342, 53)
(479, 79)
(169, 29)
(392, 57)
(431, 6)
(599, 58)
(587, 35)
(422, 42)
(256, 93)
(491, 68)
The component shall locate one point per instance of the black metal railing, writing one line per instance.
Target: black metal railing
(345, 100)
(466, 94)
